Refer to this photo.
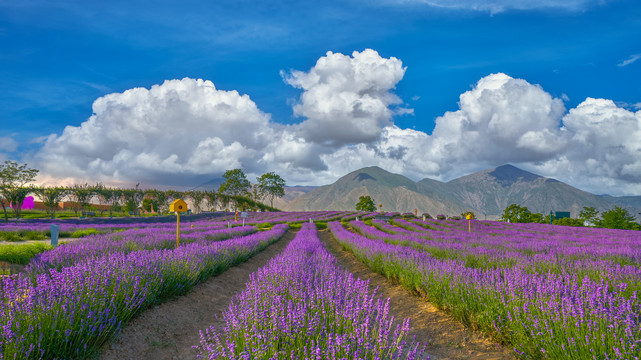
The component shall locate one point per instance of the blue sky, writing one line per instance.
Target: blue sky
(58, 57)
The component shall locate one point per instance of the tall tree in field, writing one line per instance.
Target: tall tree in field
(13, 181)
(272, 186)
(51, 197)
(235, 185)
(366, 203)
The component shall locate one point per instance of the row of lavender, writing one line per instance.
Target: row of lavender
(197, 220)
(75, 297)
(562, 249)
(583, 304)
(302, 305)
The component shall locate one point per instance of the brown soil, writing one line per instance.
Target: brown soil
(169, 331)
(446, 337)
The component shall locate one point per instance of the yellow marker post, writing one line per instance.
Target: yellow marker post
(469, 218)
(177, 229)
(177, 206)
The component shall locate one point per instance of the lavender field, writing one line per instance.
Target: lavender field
(544, 291)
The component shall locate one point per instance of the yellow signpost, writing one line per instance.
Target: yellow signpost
(469, 218)
(177, 206)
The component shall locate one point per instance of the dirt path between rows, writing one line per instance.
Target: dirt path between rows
(169, 330)
(447, 338)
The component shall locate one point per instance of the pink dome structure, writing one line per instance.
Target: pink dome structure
(27, 204)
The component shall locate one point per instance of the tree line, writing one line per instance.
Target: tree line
(236, 191)
(616, 218)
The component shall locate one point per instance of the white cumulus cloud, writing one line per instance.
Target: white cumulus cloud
(345, 99)
(604, 151)
(183, 131)
(181, 127)
(500, 120)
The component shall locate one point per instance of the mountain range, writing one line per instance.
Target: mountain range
(487, 193)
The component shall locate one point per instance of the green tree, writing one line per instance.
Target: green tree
(13, 181)
(235, 184)
(366, 203)
(536, 218)
(81, 195)
(589, 215)
(51, 197)
(617, 218)
(568, 222)
(272, 186)
(517, 214)
(149, 204)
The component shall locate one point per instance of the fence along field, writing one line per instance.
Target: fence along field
(544, 290)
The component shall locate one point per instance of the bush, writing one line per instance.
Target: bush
(441, 217)
(84, 232)
(568, 222)
(22, 254)
(33, 235)
(321, 225)
(10, 236)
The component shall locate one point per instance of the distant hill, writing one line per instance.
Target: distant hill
(395, 192)
(210, 185)
(625, 201)
(292, 192)
(487, 193)
(491, 191)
